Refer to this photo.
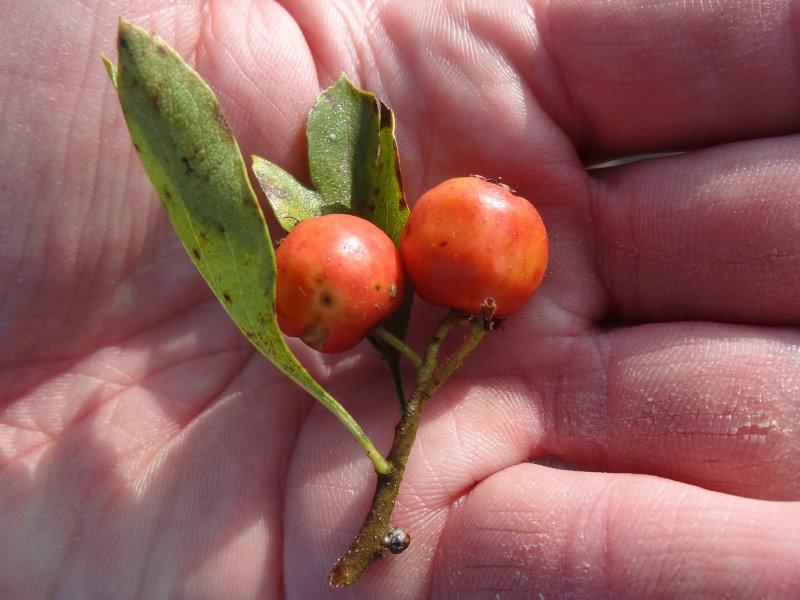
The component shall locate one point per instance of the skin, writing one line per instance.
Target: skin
(468, 240)
(634, 431)
(337, 275)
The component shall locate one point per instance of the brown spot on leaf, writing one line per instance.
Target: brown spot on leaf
(227, 297)
(219, 118)
(402, 201)
(122, 42)
(187, 165)
(155, 100)
(161, 49)
(196, 253)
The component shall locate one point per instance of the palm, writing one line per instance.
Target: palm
(147, 450)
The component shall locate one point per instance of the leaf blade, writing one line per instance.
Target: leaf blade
(342, 132)
(290, 200)
(194, 162)
(390, 210)
(354, 164)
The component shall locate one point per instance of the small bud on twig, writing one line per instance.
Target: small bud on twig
(397, 540)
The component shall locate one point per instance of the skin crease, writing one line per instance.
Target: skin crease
(337, 275)
(147, 452)
(468, 240)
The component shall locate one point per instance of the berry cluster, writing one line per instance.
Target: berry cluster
(467, 242)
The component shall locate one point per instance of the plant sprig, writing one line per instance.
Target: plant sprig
(194, 163)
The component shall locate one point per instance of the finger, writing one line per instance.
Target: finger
(712, 234)
(707, 404)
(532, 530)
(255, 57)
(619, 78)
(460, 100)
(648, 76)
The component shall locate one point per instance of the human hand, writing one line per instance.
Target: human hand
(148, 451)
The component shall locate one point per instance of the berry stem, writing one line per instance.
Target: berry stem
(369, 544)
(455, 360)
(452, 319)
(395, 342)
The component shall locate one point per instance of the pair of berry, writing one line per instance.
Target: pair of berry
(467, 240)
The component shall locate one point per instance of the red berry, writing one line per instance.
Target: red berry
(337, 275)
(468, 240)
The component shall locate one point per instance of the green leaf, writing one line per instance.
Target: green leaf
(390, 211)
(290, 200)
(353, 157)
(353, 160)
(195, 165)
(355, 169)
